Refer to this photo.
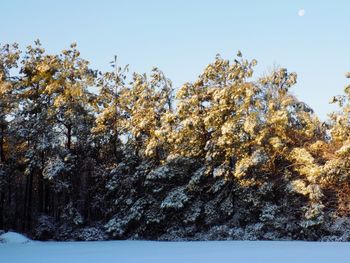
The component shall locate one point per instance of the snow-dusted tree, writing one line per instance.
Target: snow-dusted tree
(337, 154)
(110, 123)
(232, 119)
(54, 113)
(190, 136)
(290, 126)
(216, 114)
(72, 100)
(35, 134)
(70, 158)
(9, 55)
(292, 137)
(72, 114)
(146, 103)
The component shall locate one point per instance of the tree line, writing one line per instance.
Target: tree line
(58, 137)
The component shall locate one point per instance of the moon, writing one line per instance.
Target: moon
(301, 12)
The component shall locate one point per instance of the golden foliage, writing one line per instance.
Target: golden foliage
(251, 127)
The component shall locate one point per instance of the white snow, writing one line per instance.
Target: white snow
(13, 238)
(169, 252)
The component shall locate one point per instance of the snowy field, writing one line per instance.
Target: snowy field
(18, 250)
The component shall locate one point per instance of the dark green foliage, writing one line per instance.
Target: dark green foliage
(235, 159)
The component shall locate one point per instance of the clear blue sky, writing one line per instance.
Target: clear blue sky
(181, 37)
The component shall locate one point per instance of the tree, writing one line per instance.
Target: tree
(72, 101)
(146, 103)
(292, 136)
(218, 115)
(232, 119)
(9, 55)
(290, 125)
(35, 134)
(337, 154)
(110, 123)
(72, 114)
(75, 163)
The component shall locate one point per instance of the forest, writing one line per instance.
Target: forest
(91, 155)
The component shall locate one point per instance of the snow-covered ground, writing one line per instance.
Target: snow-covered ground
(179, 252)
(13, 238)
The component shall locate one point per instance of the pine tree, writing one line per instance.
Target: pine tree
(110, 123)
(292, 136)
(146, 103)
(9, 55)
(73, 115)
(337, 153)
(233, 115)
(35, 134)
(217, 115)
(290, 125)
(72, 101)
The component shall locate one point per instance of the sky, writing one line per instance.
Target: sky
(181, 37)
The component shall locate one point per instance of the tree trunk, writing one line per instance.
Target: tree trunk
(115, 144)
(30, 197)
(41, 185)
(27, 216)
(25, 205)
(2, 154)
(2, 202)
(69, 136)
(47, 203)
(2, 193)
(41, 193)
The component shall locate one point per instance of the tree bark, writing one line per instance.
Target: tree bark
(27, 215)
(69, 136)
(41, 185)
(2, 154)
(2, 202)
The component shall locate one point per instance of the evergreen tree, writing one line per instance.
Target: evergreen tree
(132, 161)
(111, 121)
(9, 55)
(146, 103)
(35, 135)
